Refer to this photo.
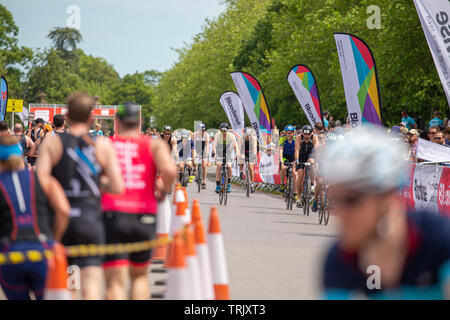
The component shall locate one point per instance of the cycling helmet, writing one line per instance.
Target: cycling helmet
(307, 129)
(202, 127)
(248, 131)
(167, 128)
(367, 160)
(184, 135)
(224, 126)
(289, 128)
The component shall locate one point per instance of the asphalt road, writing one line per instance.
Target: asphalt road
(271, 253)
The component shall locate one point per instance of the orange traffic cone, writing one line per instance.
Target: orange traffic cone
(217, 254)
(205, 262)
(196, 215)
(162, 229)
(177, 222)
(192, 265)
(56, 283)
(177, 283)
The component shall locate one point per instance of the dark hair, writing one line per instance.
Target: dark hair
(80, 107)
(447, 130)
(318, 126)
(331, 124)
(58, 120)
(4, 126)
(39, 120)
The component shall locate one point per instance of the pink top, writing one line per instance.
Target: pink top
(138, 172)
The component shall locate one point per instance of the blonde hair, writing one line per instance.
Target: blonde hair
(13, 163)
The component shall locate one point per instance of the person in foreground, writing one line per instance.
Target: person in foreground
(383, 251)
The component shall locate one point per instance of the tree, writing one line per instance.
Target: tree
(65, 40)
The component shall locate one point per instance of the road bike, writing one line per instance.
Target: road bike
(223, 193)
(306, 195)
(289, 190)
(185, 174)
(324, 206)
(199, 173)
(247, 182)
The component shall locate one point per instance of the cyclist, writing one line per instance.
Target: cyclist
(34, 212)
(224, 143)
(84, 169)
(247, 152)
(131, 216)
(201, 141)
(329, 138)
(287, 153)
(186, 152)
(407, 252)
(167, 137)
(305, 144)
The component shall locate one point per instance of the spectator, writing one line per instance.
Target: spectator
(326, 115)
(319, 128)
(432, 132)
(436, 121)
(439, 138)
(413, 137)
(4, 130)
(447, 136)
(98, 132)
(420, 123)
(408, 121)
(332, 125)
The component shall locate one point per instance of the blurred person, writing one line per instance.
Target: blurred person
(383, 251)
(201, 141)
(26, 143)
(318, 128)
(408, 121)
(34, 213)
(447, 136)
(131, 215)
(432, 133)
(436, 121)
(224, 143)
(248, 153)
(59, 122)
(185, 154)
(169, 138)
(84, 168)
(4, 129)
(326, 116)
(37, 135)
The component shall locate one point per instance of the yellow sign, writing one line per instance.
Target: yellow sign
(14, 105)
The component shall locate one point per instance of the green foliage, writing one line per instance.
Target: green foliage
(267, 38)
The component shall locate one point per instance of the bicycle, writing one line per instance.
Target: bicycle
(289, 189)
(223, 193)
(185, 174)
(324, 206)
(306, 197)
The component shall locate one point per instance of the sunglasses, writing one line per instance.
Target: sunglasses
(167, 133)
(438, 138)
(348, 201)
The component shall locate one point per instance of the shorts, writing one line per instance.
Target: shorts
(84, 231)
(125, 228)
(17, 280)
(288, 157)
(32, 161)
(220, 161)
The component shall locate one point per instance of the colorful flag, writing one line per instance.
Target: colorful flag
(232, 105)
(435, 19)
(3, 98)
(254, 103)
(359, 74)
(304, 85)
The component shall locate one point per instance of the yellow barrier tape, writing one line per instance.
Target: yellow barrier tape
(17, 257)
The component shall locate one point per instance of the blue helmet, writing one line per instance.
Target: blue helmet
(289, 128)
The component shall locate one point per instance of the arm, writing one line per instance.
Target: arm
(297, 147)
(164, 165)
(49, 155)
(59, 203)
(30, 145)
(106, 156)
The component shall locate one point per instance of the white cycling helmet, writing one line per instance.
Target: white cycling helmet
(367, 160)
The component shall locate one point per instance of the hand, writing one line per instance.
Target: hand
(160, 193)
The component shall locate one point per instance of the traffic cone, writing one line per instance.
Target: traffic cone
(188, 212)
(196, 215)
(177, 197)
(163, 218)
(177, 281)
(56, 282)
(205, 263)
(192, 265)
(217, 254)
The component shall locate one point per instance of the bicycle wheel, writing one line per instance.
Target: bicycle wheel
(326, 208)
(247, 183)
(305, 196)
(321, 208)
(199, 177)
(291, 195)
(225, 189)
(287, 194)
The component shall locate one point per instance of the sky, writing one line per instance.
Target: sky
(132, 35)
